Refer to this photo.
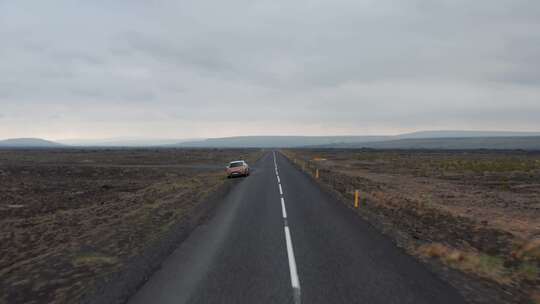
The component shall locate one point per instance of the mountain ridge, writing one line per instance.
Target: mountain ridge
(441, 139)
(28, 142)
(449, 143)
(285, 141)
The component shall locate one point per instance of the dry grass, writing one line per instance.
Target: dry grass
(93, 259)
(477, 211)
(535, 297)
(490, 165)
(482, 265)
(530, 251)
(70, 218)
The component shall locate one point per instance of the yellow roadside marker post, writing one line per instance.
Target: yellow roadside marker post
(356, 198)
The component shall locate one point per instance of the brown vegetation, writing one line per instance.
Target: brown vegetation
(477, 212)
(69, 218)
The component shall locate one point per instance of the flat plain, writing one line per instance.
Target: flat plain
(70, 218)
(476, 212)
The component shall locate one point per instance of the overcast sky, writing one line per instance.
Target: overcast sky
(184, 69)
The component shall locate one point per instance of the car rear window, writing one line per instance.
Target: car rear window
(238, 164)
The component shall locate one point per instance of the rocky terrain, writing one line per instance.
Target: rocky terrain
(72, 220)
(473, 216)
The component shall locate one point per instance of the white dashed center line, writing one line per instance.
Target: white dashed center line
(283, 210)
(295, 281)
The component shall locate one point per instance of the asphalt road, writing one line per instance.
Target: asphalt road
(278, 238)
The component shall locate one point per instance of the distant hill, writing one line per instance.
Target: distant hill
(28, 143)
(123, 142)
(456, 139)
(464, 134)
(277, 141)
(500, 143)
(416, 140)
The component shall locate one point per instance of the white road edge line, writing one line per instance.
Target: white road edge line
(278, 179)
(280, 189)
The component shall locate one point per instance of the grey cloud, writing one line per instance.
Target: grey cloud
(361, 65)
(205, 57)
